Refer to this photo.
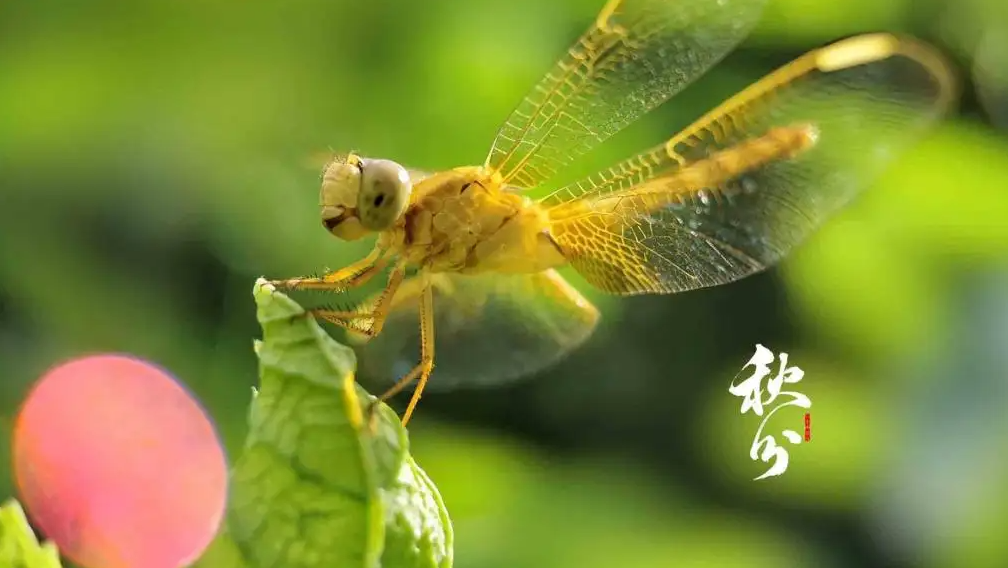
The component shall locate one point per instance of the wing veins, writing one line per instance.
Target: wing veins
(585, 61)
(636, 55)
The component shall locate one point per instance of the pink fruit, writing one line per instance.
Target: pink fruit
(118, 464)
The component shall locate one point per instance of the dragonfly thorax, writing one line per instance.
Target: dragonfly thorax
(463, 220)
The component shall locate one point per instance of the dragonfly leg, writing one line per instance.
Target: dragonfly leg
(423, 370)
(368, 321)
(352, 276)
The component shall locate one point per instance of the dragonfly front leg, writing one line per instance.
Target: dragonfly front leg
(423, 370)
(368, 322)
(351, 276)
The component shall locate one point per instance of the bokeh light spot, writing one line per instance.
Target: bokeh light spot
(118, 464)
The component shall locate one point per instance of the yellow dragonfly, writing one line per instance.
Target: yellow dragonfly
(472, 258)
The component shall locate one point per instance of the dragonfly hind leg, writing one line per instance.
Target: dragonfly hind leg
(422, 371)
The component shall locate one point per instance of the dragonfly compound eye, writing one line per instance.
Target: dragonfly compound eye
(384, 193)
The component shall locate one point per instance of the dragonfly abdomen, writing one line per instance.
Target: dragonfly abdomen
(779, 143)
(708, 177)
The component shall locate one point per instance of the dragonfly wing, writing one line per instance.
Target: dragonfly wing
(487, 329)
(734, 192)
(636, 55)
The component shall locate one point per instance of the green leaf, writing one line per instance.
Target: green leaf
(317, 484)
(18, 546)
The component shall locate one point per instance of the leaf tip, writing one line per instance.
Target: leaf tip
(272, 304)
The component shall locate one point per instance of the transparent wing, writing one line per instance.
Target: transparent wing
(636, 55)
(735, 191)
(487, 329)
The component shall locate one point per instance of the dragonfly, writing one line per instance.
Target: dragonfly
(472, 254)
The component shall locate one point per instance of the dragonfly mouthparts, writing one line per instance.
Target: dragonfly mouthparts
(333, 215)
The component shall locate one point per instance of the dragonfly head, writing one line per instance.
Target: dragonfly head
(362, 195)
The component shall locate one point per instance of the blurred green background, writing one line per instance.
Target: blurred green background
(156, 157)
